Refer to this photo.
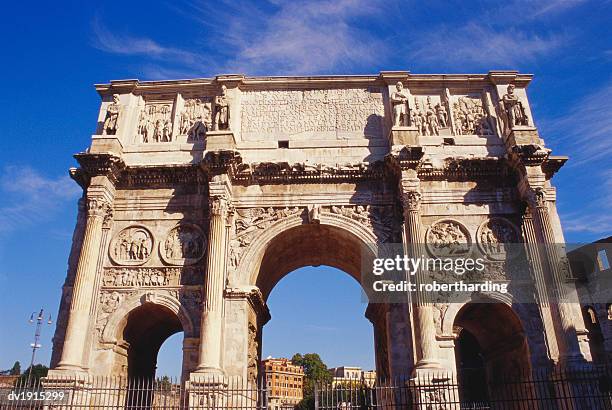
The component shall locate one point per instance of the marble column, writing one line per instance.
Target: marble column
(567, 340)
(426, 332)
(212, 313)
(98, 209)
(531, 243)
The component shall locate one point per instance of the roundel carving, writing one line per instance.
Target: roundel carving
(448, 237)
(131, 246)
(494, 235)
(184, 245)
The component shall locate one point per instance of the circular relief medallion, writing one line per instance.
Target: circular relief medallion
(498, 238)
(131, 246)
(447, 238)
(184, 245)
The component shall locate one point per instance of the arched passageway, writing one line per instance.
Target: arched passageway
(491, 347)
(146, 329)
(334, 241)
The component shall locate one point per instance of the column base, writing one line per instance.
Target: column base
(435, 391)
(207, 390)
(427, 366)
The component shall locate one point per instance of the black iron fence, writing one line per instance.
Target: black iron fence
(568, 389)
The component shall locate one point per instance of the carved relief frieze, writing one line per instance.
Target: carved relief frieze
(288, 112)
(154, 277)
(253, 353)
(378, 219)
(430, 115)
(155, 122)
(494, 235)
(249, 222)
(108, 302)
(131, 246)
(196, 118)
(470, 117)
(448, 237)
(185, 244)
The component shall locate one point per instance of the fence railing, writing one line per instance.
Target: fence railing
(576, 389)
(588, 388)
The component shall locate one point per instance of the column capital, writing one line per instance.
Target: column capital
(99, 208)
(536, 197)
(219, 205)
(411, 200)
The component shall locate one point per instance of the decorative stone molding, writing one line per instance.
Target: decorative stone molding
(448, 237)
(131, 246)
(185, 244)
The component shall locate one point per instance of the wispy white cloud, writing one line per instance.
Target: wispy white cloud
(275, 37)
(126, 44)
(586, 129)
(477, 44)
(29, 197)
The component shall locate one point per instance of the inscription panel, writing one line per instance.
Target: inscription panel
(337, 113)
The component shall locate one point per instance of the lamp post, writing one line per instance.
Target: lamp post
(35, 346)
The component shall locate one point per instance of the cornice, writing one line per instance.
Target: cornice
(100, 164)
(380, 79)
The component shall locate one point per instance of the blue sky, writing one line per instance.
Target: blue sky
(53, 53)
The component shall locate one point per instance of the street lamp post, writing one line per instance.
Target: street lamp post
(35, 346)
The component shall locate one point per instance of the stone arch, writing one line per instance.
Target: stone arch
(250, 264)
(115, 325)
(454, 308)
(288, 244)
(491, 346)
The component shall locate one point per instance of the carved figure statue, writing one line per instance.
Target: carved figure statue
(513, 109)
(399, 100)
(112, 117)
(222, 110)
(441, 115)
(314, 212)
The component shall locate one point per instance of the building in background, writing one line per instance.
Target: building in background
(591, 267)
(346, 375)
(285, 382)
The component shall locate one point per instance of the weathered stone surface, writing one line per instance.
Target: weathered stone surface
(202, 194)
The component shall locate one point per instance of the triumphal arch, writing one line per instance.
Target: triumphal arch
(200, 195)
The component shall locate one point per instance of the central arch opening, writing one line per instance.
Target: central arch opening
(309, 276)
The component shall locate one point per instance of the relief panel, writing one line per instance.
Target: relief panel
(354, 113)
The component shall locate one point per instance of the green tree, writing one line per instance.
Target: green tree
(38, 371)
(16, 369)
(315, 372)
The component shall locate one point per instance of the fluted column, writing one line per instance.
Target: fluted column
(569, 349)
(84, 285)
(426, 332)
(531, 243)
(212, 310)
